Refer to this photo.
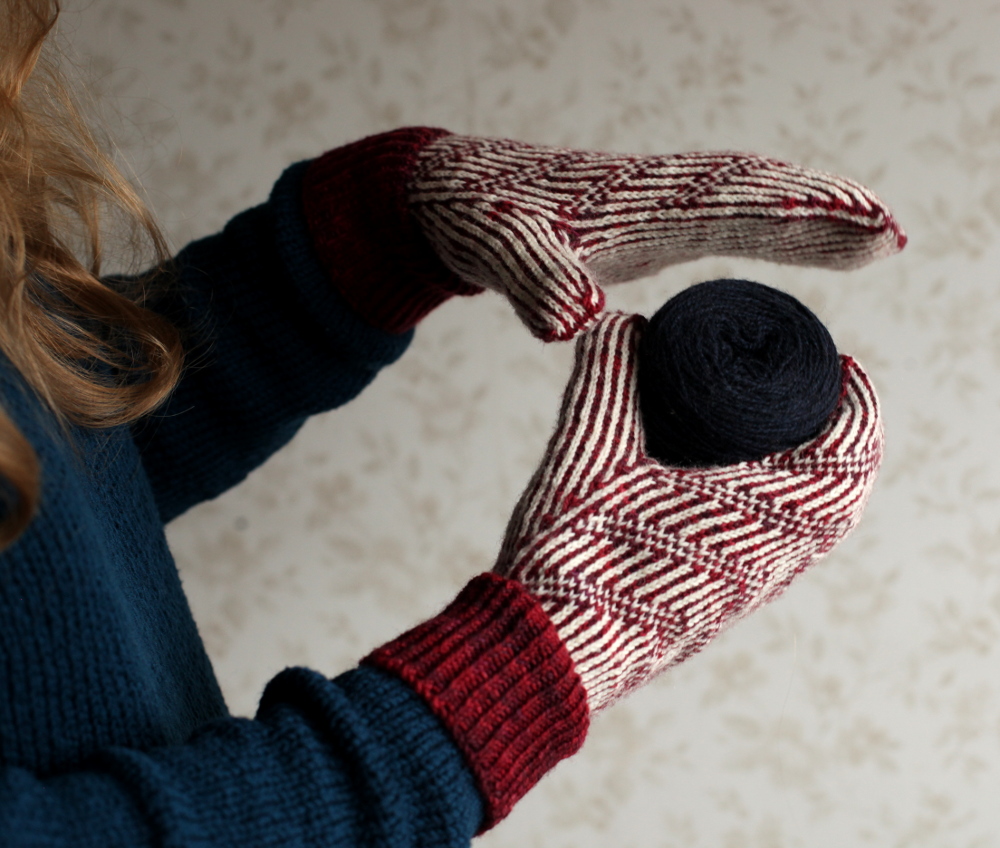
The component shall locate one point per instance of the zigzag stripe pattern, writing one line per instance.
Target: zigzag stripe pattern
(546, 226)
(639, 565)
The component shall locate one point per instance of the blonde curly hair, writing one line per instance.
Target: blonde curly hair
(88, 346)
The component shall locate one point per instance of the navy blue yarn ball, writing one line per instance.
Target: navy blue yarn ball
(732, 370)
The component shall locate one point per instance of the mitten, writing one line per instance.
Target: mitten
(615, 566)
(548, 226)
(637, 564)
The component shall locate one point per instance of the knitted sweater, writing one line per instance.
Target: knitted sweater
(113, 730)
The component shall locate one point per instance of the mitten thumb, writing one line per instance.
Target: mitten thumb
(529, 258)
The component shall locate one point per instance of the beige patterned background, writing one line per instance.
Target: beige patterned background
(863, 708)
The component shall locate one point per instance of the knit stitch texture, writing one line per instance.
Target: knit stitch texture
(639, 564)
(495, 670)
(550, 226)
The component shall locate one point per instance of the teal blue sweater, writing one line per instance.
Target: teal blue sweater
(113, 730)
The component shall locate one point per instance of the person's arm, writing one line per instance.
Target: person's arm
(291, 310)
(356, 761)
(360, 760)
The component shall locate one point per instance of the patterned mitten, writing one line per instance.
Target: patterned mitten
(549, 226)
(638, 565)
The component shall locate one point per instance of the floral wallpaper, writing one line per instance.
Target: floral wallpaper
(862, 708)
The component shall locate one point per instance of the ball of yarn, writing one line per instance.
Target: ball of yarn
(732, 370)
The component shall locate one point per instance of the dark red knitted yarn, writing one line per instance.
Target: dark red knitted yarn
(493, 668)
(375, 253)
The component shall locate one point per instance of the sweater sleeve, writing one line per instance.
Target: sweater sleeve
(432, 740)
(356, 761)
(291, 310)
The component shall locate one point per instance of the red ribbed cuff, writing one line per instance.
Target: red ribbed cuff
(494, 670)
(355, 204)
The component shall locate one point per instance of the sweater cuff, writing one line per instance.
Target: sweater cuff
(494, 670)
(365, 236)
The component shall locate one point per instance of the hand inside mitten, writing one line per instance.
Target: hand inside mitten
(616, 565)
(640, 564)
(548, 226)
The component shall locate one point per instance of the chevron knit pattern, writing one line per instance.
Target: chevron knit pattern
(547, 226)
(639, 565)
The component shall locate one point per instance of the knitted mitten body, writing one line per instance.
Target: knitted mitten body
(639, 565)
(549, 226)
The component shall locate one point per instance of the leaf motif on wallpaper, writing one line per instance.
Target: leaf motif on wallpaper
(413, 21)
(856, 594)
(224, 87)
(527, 33)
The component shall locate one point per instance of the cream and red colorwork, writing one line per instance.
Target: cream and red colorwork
(549, 226)
(639, 565)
